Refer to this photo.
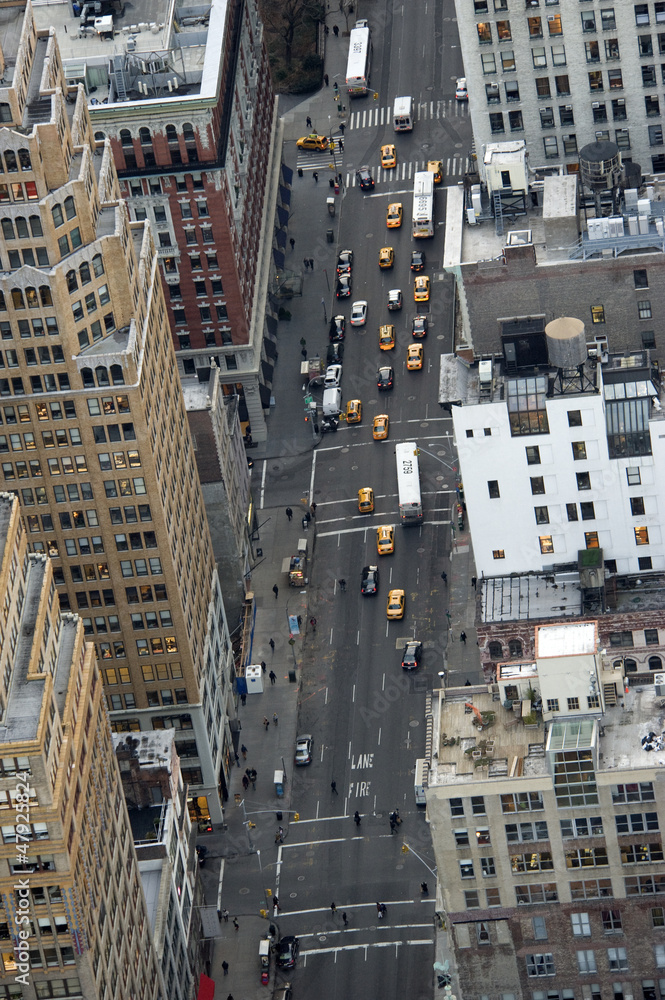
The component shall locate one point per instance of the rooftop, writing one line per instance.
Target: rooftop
(507, 748)
(150, 748)
(24, 703)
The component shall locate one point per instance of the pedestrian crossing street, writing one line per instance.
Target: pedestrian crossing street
(371, 117)
(454, 166)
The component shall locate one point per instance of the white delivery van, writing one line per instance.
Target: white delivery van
(403, 114)
(420, 781)
(332, 402)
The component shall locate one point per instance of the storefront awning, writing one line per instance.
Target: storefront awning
(271, 323)
(265, 394)
(206, 988)
(280, 237)
(271, 347)
(283, 216)
(278, 257)
(285, 195)
(287, 173)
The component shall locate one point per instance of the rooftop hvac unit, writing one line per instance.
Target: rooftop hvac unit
(659, 684)
(484, 372)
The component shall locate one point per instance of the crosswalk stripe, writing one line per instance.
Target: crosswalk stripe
(455, 166)
(372, 117)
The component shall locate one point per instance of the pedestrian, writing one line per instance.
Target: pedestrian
(243, 751)
(243, 698)
(273, 676)
(312, 508)
(356, 818)
(237, 758)
(342, 584)
(474, 581)
(379, 911)
(311, 260)
(325, 79)
(225, 966)
(304, 353)
(462, 637)
(341, 146)
(333, 909)
(289, 514)
(326, 29)
(444, 576)
(467, 683)
(335, 30)
(309, 122)
(263, 666)
(331, 182)
(275, 905)
(225, 915)
(274, 718)
(306, 263)
(279, 836)
(230, 996)
(398, 818)
(342, 126)
(346, 922)
(299, 621)
(393, 825)
(236, 924)
(333, 788)
(271, 643)
(245, 782)
(293, 243)
(300, 172)
(312, 622)
(266, 723)
(275, 588)
(335, 87)
(315, 175)
(307, 516)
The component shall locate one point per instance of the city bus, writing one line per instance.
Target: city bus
(360, 60)
(408, 483)
(423, 204)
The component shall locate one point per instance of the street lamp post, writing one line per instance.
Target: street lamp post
(325, 315)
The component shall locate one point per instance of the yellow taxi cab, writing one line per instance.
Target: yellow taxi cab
(380, 427)
(396, 603)
(366, 500)
(386, 257)
(313, 141)
(421, 289)
(354, 411)
(414, 357)
(385, 539)
(394, 215)
(436, 167)
(388, 156)
(387, 337)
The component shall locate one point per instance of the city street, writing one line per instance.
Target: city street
(366, 715)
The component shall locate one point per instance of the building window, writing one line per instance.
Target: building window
(551, 146)
(591, 539)
(583, 480)
(493, 489)
(515, 121)
(643, 563)
(543, 87)
(484, 32)
(617, 958)
(587, 511)
(472, 899)
(554, 25)
(644, 309)
(487, 867)
(619, 110)
(569, 145)
(540, 965)
(581, 924)
(498, 554)
(641, 536)
(651, 637)
(598, 312)
(542, 515)
(648, 338)
(456, 807)
(636, 505)
(552, 704)
(466, 868)
(588, 20)
(558, 55)
(579, 451)
(573, 704)
(586, 961)
(488, 63)
(539, 928)
(496, 123)
(537, 485)
(615, 79)
(461, 837)
(508, 61)
(622, 137)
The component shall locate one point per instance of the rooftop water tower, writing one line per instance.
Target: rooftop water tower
(567, 352)
(600, 171)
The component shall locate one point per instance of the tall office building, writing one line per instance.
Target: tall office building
(560, 74)
(94, 437)
(185, 96)
(73, 918)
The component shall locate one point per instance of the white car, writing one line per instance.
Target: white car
(461, 93)
(333, 377)
(359, 313)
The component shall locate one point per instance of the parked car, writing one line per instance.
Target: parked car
(344, 286)
(461, 93)
(359, 313)
(335, 353)
(304, 750)
(332, 377)
(411, 655)
(337, 328)
(344, 261)
(369, 581)
(287, 951)
(365, 179)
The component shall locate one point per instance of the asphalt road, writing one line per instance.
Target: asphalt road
(366, 714)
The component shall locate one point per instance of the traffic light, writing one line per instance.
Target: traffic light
(376, 97)
(268, 893)
(296, 817)
(405, 848)
(252, 826)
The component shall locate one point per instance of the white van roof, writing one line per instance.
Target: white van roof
(402, 105)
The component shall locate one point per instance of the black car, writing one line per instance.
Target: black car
(411, 655)
(287, 951)
(335, 354)
(344, 286)
(419, 326)
(417, 260)
(384, 378)
(365, 179)
(345, 261)
(369, 583)
(337, 328)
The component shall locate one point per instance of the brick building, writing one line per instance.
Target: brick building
(94, 437)
(69, 874)
(185, 97)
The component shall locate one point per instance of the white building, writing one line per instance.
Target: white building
(561, 75)
(561, 458)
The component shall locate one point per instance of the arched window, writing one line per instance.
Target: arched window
(100, 136)
(3, 307)
(8, 229)
(145, 137)
(45, 296)
(495, 649)
(630, 665)
(655, 663)
(102, 375)
(171, 134)
(72, 283)
(11, 164)
(24, 159)
(515, 648)
(70, 207)
(97, 265)
(88, 378)
(84, 273)
(17, 298)
(188, 132)
(36, 226)
(58, 217)
(22, 228)
(126, 137)
(117, 376)
(5, 112)
(31, 296)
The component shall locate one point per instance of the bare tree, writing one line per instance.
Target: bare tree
(284, 17)
(346, 8)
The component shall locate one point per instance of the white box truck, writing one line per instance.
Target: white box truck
(403, 114)
(332, 402)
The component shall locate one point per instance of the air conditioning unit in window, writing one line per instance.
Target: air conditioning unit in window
(596, 104)
(551, 17)
(620, 100)
(659, 684)
(568, 107)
